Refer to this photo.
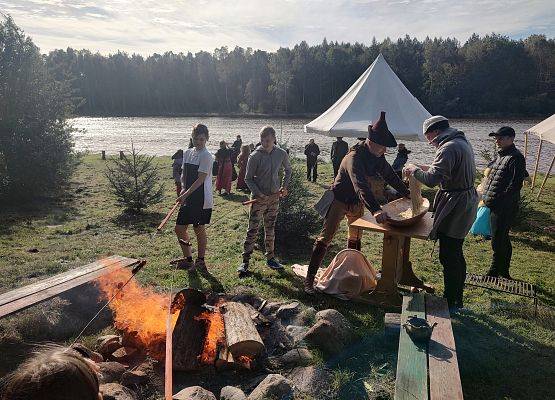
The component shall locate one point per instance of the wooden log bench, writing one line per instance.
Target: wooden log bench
(427, 371)
(27, 296)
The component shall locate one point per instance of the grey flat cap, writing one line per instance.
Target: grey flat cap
(431, 121)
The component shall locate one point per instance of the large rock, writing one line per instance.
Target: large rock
(115, 391)
(311, 380)
(134, 378)
(288, 311)
(274, 386)
(305, 317)
(110, 371)
(124, 355)
(194, 393)
(331, 332)
(232, 393)
(108, 344)
(293, 358)
(296, 332)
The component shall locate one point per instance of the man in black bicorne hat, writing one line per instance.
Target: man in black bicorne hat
(352, 192)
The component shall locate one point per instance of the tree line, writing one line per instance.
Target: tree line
(489, 75)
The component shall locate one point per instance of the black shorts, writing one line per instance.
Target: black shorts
(193, 216)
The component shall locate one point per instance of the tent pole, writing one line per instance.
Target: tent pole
(525, 144)
(546, 176)
(537, 164)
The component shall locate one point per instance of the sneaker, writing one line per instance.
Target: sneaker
(273, 263)
(243, 269)
(184, 264)
(200, 265)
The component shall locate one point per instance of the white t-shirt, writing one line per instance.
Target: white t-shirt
(194, 162)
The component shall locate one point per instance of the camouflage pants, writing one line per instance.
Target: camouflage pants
(267, 211)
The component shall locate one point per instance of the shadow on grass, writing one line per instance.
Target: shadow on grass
(535, 244)
(55, 210)
(496, 363)
(237, 197)
(144, 222)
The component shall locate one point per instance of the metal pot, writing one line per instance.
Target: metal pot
(418, 328)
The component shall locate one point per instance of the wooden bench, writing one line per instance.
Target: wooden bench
(26, 296)
(427, 371)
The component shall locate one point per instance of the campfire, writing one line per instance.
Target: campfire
(207, 332)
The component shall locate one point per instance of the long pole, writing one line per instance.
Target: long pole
(546, 176)
(525, 144)
(537, 164)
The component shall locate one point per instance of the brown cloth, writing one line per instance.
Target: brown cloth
(348, 276)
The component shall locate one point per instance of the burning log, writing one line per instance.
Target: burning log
(189, 332)
(241, 335)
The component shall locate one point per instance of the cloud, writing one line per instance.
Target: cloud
(145, 26)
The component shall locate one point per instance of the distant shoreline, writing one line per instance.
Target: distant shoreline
(289, 116)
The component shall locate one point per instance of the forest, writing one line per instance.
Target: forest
(491, 75)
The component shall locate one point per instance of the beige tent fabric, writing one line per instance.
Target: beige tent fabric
(349, 275)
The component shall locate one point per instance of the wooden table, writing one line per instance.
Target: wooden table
(396, 266)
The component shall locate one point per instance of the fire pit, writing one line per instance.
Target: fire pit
(214, 333)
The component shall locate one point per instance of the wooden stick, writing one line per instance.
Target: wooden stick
(168, 371)
(546, 176)
(168, 216)
(537, 164)
(525, 144)
(249, 202)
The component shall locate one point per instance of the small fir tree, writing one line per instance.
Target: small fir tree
(135, 181)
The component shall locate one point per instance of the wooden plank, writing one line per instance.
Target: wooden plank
(31, 299)
(56, 279)
(419, 230)
(443, 367)
(412, 370)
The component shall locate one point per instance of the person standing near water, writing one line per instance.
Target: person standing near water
(311, 151)
(225, 169)
(339, 149)
(502, 196)
(455, 203)
(196, 198)
(263, 180)
(242, 164)
(177, 167)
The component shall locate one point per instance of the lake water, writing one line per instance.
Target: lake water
(164, 135)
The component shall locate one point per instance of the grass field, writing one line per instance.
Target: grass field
(504, 353)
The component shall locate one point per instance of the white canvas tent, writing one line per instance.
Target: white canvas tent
(377, 89)
(545, 130)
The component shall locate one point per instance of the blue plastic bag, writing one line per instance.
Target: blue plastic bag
(482, 225)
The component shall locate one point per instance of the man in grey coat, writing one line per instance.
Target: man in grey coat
(262, 178)
(455, 203)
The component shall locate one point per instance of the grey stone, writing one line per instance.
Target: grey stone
(288, 311)
(194, 393)
(134, 378)
(293, 358)
(273, 386)
(110, 371)
(108, 344)
(232, 393)
(311, 380)
(331, 333)
(296, 332)
(124, 354)
(115, 391)
(305, 317)
(271, 307)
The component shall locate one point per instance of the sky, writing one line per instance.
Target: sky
(146, 27)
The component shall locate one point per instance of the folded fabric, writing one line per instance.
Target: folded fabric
(482, 225)
(349, 275)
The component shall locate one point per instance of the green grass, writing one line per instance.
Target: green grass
(503, 352)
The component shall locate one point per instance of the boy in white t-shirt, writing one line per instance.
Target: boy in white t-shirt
(196, 198)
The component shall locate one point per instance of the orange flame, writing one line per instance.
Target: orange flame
(215, 335)
(139, 312)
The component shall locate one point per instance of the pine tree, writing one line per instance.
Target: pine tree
(135, 181)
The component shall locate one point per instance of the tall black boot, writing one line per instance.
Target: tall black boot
(318, 254)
